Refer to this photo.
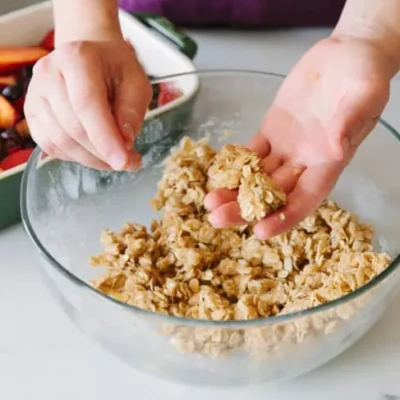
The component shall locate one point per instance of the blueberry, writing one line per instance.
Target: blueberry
(11, 138)
(14, 92)
(154, 99)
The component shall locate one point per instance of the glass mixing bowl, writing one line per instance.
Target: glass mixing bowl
(65, 207)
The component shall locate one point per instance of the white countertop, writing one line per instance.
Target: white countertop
(43, 356)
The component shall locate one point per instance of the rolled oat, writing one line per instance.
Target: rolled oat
(185, 267)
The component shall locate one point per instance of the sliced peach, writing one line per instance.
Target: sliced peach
(8, 114)
(22, 128)
(12, 58)
(48, 41)
(8, 80)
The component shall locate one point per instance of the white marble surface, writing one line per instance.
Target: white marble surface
(43, 356)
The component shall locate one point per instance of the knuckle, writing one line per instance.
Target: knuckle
(71, 52)
(82, 100)
(106, 153)
(63, 141)
(42, 66)
(34, 107)
(48, 147)
(31, 115)
(71, 49)
(76, 132)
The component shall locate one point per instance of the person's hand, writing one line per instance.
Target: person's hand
(86, 103)
(326, 106)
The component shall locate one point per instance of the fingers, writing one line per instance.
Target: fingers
(222, 196)
(311, 189)
(218, 197)
(259, 144)
(286, 176)
(53, 140)
(87, 90)
(63, 128)
(70, 104)
(47, 146)
(51, 119)
(226, 215)
(132, 96)
(225, 210)
(63, 112)
(271, 163)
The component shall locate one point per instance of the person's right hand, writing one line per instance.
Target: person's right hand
(325, 108)
(86, 103)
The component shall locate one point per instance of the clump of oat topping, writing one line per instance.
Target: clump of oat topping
(185, 267)
(236, 167)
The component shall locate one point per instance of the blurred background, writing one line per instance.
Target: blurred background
(10, 5)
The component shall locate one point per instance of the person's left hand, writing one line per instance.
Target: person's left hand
(326, 106)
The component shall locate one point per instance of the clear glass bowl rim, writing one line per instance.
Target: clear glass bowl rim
(241, 324)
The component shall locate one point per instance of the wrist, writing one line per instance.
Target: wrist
(388, 63)
(91, 20)
(376, 24)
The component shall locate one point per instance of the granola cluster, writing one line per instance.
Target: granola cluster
(236, 167)
(185, 267)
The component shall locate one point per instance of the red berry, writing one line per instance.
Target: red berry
(48, 41)
(17, 158)
(168, 93)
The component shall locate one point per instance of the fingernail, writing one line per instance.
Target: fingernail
(134, 162)
(260, 232)
(132, 166)
(297, 170)
(129, 134)
(209, 201)
(213, 221)
(117, 161)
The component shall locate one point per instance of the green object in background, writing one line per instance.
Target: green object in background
(9, 200)
(167, 29)
(10, 186)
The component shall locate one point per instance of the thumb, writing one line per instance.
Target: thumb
(131, 99)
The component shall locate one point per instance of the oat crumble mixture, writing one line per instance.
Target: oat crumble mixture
(185, 267)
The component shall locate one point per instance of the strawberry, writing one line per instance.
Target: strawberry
(16, 158)
(167, 93)
(48, 41)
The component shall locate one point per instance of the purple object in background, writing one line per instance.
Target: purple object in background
(242, 13)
